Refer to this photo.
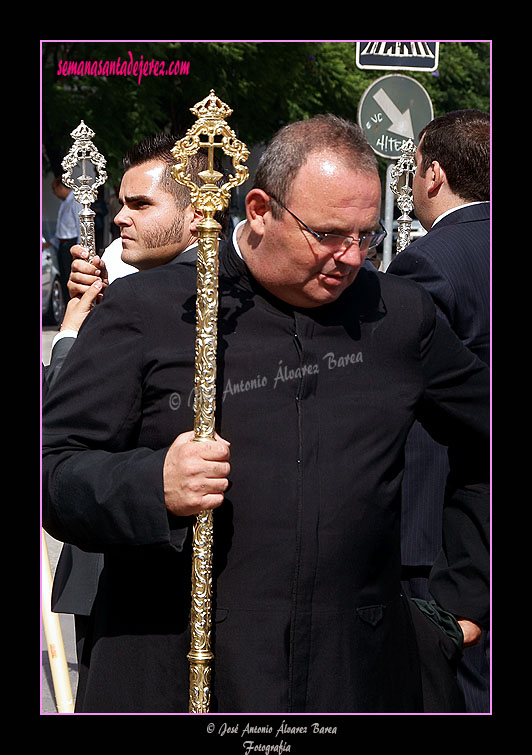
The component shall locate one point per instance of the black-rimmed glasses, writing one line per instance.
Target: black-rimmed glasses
(334, 241)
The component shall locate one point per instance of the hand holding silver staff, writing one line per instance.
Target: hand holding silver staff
(83, 150)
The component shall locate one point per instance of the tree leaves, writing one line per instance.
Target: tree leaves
(266, 83)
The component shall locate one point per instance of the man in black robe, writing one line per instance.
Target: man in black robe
(323, 366)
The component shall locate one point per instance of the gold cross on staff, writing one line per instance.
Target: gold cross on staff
(211, 174)
(211, 113)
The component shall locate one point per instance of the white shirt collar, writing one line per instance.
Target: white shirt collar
(235, 242)
(453, 209)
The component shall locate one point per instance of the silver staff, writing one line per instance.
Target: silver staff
(83, 150)
(402, 174)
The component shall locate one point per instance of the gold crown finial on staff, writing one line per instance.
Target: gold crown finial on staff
(211, 114)
(210, 197)
(402, 173)
(83, 151)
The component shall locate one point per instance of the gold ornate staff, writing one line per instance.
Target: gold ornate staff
(401, 174)
(209, 198)
(82, 150)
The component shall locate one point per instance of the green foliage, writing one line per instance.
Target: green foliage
(266, 83)
(463, 79)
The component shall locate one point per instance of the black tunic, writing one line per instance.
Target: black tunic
(317, 404)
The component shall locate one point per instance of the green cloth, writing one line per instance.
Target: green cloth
(443, 619)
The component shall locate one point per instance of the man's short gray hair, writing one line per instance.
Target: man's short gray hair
(292, 145)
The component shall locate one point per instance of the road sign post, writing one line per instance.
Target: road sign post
(392, 110)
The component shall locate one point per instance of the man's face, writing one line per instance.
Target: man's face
(330, 197)
(151, 225)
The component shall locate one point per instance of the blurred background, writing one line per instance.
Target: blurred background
(267, 84)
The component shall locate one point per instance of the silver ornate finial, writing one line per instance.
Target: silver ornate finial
(402, 173)
(84, 186)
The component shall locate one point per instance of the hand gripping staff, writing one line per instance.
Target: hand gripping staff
(83, 150)
(402, 173)
(209, 198)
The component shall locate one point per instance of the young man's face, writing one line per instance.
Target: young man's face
(152, 228)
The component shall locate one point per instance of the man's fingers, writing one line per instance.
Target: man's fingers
(84, 274)
(90, 294)
(216, 470)
(203, 471)
(210, 502)
(83, 280)
(79, 252)
(217, 449)
(77, 309)
(87, 268)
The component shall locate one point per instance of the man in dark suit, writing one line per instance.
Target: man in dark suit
(323, 365)
(158, 227)
(451, 192)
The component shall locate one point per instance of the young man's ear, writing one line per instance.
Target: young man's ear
(437, 177)
(197, 215)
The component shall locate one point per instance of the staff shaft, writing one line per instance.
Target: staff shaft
(201, 656)
(86, 231)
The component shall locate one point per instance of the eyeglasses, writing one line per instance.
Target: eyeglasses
(334, 241)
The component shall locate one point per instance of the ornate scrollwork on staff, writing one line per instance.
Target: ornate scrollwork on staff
(402, 173)
(83, 150)
(200, 656)
(209, 198)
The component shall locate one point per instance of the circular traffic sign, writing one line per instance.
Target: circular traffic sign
(392, 110)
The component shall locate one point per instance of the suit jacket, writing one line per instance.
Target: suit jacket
(309, 613)
(77, 572)
(452, 262)
(58, 356)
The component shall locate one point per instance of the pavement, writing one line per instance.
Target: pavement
(48, 704)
